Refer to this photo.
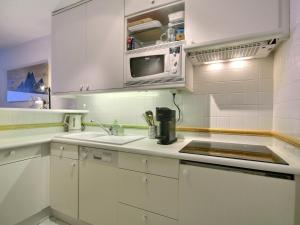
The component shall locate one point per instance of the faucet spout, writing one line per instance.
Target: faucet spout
(102, 127)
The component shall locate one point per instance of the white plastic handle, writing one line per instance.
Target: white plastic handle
(73, 164)
(145, 180)
(84, 155)
(145, 218)
(12, 153)
(185, 172)
(62, 148)
(145, 161)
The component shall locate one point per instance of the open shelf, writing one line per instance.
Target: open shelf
(150, 28)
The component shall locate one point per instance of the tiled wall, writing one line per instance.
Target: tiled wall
(287, 80)
(231, 95)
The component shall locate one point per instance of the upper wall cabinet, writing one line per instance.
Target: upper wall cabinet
(68, 49)
(87, 47)
(135, 6)
(217, 20)
(104, 44)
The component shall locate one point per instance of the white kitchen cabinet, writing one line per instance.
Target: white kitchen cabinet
(128, 215)
(68, 50)
(98, 186)
(150, 192)
(135, 6)
(64, 185)
(104, 45)
(215, 20)
(87, 47)
(24, 184)
(214, 195)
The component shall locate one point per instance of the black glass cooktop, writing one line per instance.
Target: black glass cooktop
(235, 151)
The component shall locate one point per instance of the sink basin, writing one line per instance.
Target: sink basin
(84, 135)
(103, 138)
(116, 140)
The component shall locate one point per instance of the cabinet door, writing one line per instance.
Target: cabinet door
(68, 50)
(98, 192)
(104, 45)
(214, 196)
(135, 6)
(209, 20)
(153, 193)
(23, 189)
(64, 185)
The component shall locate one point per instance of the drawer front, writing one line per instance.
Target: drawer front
(149, 164)
(153, 193)
(133, 216)
(64, 150)
(17, 154)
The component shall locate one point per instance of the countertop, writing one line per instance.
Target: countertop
(147, 146)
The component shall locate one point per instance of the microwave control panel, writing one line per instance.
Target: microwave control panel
(175, 54)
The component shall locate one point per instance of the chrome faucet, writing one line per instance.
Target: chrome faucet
(108, 131)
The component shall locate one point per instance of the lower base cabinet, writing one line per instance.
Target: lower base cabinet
(214, 196)
(64, 185)
(128, 215)
(24, 183)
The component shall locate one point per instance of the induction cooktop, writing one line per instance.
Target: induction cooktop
(257, 153)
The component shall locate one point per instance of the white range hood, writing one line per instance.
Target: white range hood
(230, 50)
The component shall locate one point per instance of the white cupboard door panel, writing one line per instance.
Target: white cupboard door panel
(64, 185)
(153, 193)
(104, 45)
(23, 189)
(68, 50)
(98, 193)
(128, 215)
(208, 20)
(135, 6)
(214, 196)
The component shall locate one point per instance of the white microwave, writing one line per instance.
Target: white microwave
(154, 65)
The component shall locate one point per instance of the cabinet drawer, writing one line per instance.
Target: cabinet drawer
(153, 193)
(149, 164)
(135, 6)
(133, 216)
(17, 154)
(64, 150)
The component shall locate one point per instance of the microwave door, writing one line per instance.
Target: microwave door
(147, 66)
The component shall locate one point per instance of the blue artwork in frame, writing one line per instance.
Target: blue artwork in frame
(23, 84)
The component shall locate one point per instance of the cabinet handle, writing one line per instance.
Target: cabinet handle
(87, 88)
(12, 153)
(145, 162)
(73, 164)
(152, 2)
(145, 218)
(62, 148)
(145, 180)
(185, 173)
(81, 87)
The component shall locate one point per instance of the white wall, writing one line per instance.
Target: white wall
(287, 80)
(29, 53)
(230, 95)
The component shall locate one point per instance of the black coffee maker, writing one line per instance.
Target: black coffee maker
(167, 126)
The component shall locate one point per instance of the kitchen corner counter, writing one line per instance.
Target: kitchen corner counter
(149, 147)
(27, 140)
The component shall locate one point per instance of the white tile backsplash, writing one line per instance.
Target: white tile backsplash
(226, 96)
(287, 80)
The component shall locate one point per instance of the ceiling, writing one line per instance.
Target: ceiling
(26, 20)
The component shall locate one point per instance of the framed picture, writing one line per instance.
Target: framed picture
(26, 83)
